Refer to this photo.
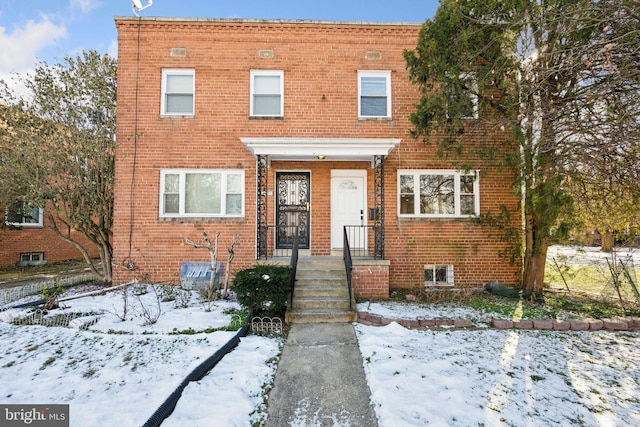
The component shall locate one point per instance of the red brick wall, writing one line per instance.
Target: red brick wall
(370, 281)
(320, 63)
(14, 242)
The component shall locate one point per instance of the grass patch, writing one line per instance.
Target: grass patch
(595, 306)
(47, 362)
(26, 272)
(238, 320)
(554, 304)
(586, 278)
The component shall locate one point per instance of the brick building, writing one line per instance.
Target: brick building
(249, 127)
(28, 240)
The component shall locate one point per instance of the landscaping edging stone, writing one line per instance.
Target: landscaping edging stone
(614, 324)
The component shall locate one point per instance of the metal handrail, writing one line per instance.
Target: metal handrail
(270, 237)
(348, 264)
(293, 267)
(364, 241)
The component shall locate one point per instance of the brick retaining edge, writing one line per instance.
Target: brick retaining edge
(614, 324)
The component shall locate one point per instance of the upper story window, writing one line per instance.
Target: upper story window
(201, 193)
(374, 94)
(267, 93)
(24, 215)
(178, 92)
(462, 97)
(438, 193)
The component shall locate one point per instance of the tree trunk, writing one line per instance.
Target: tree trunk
(104, 250)
(607, 241)
(535, 257)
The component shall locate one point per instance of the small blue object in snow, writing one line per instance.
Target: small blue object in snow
(198, 274)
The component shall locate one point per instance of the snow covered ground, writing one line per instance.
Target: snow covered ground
(491, 377)
(501, 378)
(118, 372)
(584, 255)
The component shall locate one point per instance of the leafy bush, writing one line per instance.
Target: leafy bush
(51, 294)
(263, 289)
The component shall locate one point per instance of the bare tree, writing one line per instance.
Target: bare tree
(231, 250)
(58, 143)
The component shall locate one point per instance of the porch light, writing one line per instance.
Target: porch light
(321, 157)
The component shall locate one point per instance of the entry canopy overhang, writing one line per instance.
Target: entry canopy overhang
(320, 148)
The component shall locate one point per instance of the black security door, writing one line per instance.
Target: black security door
(292, 209)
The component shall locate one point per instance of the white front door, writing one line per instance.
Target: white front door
(348, 206)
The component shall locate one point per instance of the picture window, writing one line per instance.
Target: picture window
(202, 193)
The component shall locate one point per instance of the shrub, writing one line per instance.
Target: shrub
(51, 294)
(263, 289)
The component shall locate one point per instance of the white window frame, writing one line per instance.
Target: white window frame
(163, 98)
(472, 94)
(38, 224)
(253, 74)
(374, 73)
(182, 173)
(433, 268)
(27, 258)
(416, 173)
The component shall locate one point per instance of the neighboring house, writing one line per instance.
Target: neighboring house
(249, 127)
(28, 240)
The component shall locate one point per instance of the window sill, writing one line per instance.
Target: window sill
(438, 285)
(187, 219)
(17, 226)
(437, 218)
(374, 119)
(266, 117)
(31, 263)
(177, 116)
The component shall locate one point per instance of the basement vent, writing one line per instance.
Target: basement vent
(266, 53)
(179, 51)
(373, 56)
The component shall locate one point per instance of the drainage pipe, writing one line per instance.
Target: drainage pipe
(170, 403)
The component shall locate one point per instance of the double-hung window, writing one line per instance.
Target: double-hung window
(201, 193)
(462, 97)
(267, 93)
(438, 193)
(24, 215)
(178, 92)
(374, 94)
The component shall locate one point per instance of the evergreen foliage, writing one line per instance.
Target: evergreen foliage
(263, 289)
(556, 84)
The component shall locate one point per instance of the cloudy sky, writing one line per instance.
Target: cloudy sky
(49, 30)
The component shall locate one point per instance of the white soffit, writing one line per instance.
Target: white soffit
(320, 148)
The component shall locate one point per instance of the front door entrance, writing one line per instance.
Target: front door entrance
(348, 206)
(292, 208)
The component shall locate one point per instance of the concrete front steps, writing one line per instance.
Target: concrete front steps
(321, 292)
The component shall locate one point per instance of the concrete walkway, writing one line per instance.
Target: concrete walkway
(320, 380)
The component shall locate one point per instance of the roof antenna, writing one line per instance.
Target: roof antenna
(137, 4)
